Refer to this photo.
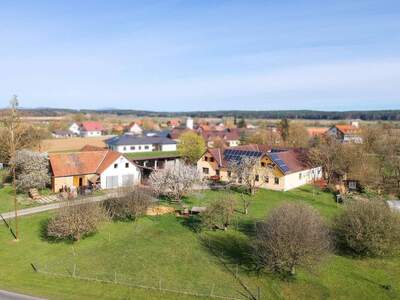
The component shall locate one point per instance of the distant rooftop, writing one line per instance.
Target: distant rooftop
(128, 139)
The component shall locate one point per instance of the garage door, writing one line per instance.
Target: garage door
(127, 180)
(111, 182)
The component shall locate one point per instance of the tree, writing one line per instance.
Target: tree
(218, 142)
(219, 214)
(174, 181)
(368, 228)
(284, 129)
(74, 222)
(130, 204)
(32, 170)
(292, 235)
(244, 171)
(297, 136)
(241, 123)
(263, 137)
(191, 147)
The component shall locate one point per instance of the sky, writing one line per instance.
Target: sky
(201, 55)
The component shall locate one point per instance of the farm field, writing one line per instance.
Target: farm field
(168, 248)
(71, 144)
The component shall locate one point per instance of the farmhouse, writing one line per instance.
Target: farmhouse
(134, 128)
(106, 169)
(91, 129)
(74, 128)
(230, 137)
(346, 133)
(277, 169)
(128, 143)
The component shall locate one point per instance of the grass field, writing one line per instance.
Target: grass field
(152, 154)
(7, 199)
(71, 144)
(167, 248)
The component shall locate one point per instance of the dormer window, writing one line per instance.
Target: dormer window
(115, 166)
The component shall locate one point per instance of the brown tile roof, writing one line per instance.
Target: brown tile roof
(316, 131)
(80, 163)
(225, 135)
(348, 129)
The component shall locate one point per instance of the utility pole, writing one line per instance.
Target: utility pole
(13, 150)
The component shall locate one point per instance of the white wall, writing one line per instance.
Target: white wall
(120, 171)
(168, 147)
(90, 133)
(294, 180)
(138, 148)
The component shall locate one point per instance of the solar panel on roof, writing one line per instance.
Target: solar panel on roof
(279, 162)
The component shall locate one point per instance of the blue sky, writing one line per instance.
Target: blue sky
(201, 55)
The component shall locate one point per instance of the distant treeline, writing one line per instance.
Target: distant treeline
(385, 115)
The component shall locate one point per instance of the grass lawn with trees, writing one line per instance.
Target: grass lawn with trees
(168, 248)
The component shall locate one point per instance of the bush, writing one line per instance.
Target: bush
(368, 228)
(292, 235)
(219, 214)
(130, 205)
(73, 222)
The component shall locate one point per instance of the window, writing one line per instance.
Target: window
(266, 178)
(211, 159)
(276, 180)
(115, 166)
(132, 147)
(263, 164)
(300, 176)
(127, 165)
(205, 158)
(111, 182)
(257, 178)
(127, 180)
(206, 170)
(124, 148)
(146, 147)
(140, 147)
(217, 172)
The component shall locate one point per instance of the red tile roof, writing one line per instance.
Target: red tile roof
(92, 126)
(348, 129)
(81, 163)
(316, 131)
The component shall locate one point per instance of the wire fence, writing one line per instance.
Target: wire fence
(159, 283)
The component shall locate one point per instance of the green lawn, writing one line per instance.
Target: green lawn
(167, 248)
(7, 199)
(152, 154)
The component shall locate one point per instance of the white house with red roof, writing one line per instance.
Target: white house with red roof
(350, 133)
(104, 168)
(91, 129)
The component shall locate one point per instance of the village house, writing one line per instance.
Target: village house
(91, 129)
(128, 143)
(75, 129)
(346, 133)
(277, 169)
(102, 168)
(134, 128)
(230, 137)
(60, 134)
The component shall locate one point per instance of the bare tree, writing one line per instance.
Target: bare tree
(219, 214)
(75, 221)
(368, 228)
(292, 235)
(244, 171)
(175, 181)
(131, 203)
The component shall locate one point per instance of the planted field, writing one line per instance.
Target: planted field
(71, 144)
(166, 251)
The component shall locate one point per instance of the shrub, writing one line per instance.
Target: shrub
(292, 235)
(130, 205)
(219, 214)
(367, 228)
(73, 222)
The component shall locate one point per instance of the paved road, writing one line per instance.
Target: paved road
(52, 206)
(4, 295)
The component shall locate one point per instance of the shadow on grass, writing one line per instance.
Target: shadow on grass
(230, 248)
(191, 222)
